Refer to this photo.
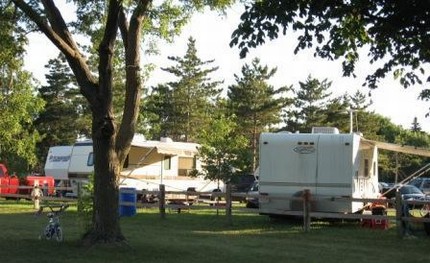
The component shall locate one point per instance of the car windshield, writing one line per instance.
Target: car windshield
(416, 182)
(410, 190)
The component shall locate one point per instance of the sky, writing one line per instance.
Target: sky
(213, 32)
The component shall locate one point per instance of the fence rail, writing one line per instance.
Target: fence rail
(224, 201)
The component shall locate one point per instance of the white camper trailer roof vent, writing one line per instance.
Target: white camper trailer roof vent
(330, 130)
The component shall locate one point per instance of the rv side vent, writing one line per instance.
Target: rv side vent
(331, 130)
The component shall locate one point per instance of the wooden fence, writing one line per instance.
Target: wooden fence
(180, 201)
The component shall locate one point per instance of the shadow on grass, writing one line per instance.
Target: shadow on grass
(204, 236)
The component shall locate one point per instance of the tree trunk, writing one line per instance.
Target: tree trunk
(106, 225)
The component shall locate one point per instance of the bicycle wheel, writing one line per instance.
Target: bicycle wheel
(47, 233)
(59, 234)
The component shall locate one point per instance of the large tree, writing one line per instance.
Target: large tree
(115, 21)
(396, 33)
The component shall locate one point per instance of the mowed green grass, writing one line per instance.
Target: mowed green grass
(203, 236)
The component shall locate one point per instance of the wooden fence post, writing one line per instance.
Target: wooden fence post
(306, 210)
(79, 195)
(399, 212)
(162, 201)
(228, 204)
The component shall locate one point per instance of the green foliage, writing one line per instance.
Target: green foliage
(256, 105)
(220, 149)
(63, 106)
(180, 109)
(105, 23)
(310, 100)
(85, 204)
(314, 108)
(396, 33)
(18, 105)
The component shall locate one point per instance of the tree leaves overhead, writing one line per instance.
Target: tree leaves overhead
(396, 32)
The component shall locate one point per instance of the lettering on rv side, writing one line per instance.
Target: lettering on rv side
(304, 149)
(64, 158)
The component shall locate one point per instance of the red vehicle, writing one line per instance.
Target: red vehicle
(11, 184)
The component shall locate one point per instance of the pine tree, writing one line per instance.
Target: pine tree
(256, 105)
(336, 113)
(310, 105)
(65, 116)
(192, 96)
(416, 127)
(158, 112)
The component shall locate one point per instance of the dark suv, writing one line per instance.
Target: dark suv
(422, 183)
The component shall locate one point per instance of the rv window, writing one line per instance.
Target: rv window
(90, 161)
(167, 163)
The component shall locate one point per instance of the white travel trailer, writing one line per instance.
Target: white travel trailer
(149, 164)
(329, 164)
(58, 161)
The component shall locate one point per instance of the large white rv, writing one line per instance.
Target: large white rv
(149, 164)
(329, 164)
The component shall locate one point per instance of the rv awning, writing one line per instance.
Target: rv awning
(161, 149)
(182, 149)
(398, 148)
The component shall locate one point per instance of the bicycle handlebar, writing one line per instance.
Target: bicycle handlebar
(61, 207)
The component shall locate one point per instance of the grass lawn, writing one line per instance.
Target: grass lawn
(202, 236)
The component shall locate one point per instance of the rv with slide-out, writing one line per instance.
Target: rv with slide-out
(148, 164)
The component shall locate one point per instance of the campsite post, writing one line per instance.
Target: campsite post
(306, 210)
(399, 214)
(162, 201)
(228, 204)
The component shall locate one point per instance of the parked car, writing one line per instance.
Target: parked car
(407, 191)
(252, 196)
(423, 183)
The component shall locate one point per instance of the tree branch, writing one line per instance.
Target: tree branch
(77, 63)
(123, 27)
(57, 22)
(102, 111)
(133, 79)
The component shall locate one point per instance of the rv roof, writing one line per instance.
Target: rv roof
(167, 147)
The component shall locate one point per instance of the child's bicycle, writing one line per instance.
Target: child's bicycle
(53, 229)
